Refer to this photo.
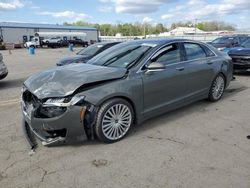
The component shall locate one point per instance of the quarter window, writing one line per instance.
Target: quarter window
(169, 55)
(194, 51)
(208, 51)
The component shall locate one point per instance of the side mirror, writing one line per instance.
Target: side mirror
(155, 67)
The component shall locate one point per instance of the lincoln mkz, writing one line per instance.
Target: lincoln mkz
(122, 86)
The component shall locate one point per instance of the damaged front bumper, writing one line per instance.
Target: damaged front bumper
(241, 62)
(66, 128)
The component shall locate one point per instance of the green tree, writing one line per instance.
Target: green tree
(159, 28)
(200, 26)
(126, 29)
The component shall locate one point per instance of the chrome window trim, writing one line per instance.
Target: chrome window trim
(204, 58)
(215, 55)
(174, 64)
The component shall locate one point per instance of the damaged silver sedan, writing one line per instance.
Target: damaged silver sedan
(122, 86)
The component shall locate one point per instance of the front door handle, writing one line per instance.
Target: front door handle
(210, 62)
(180, 68)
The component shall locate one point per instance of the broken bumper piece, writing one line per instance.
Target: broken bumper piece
(66, 128)
(31, 135)
(50, 141)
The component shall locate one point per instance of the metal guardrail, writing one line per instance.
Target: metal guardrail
(203, 38)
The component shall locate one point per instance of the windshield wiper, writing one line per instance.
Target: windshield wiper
(112, 60)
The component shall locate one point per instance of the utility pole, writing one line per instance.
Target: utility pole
(195, 24)
(144, 28)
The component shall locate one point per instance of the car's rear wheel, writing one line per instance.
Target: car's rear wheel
(114, 120)
(217, 88)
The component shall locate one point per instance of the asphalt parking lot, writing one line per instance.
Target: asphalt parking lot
(202, 145)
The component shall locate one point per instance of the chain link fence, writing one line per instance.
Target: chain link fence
(203, 38)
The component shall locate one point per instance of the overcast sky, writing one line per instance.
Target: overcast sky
(113, 11)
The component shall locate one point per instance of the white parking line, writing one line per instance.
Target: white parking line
(9, 102)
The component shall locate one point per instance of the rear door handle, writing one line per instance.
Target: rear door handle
(180, 68)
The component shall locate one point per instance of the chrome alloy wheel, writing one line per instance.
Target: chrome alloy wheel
(218, 87)
(116, 121)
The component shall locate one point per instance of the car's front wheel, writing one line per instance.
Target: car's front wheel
(217, 88)
(114, 119)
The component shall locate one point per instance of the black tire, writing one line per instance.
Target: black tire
(121, 129)
(217, 88)
(59, 43)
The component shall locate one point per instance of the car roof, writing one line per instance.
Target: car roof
(238, 35)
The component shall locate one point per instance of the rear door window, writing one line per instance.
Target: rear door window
(194, 51)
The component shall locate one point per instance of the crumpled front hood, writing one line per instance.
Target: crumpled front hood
(63, 81)
(240, 51)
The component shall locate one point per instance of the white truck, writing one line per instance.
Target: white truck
(55, 39)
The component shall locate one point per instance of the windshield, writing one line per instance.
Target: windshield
(223, 40)
(91, 50)
(246, 44)
(121, 55)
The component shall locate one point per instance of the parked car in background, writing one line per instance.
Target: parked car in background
(3, 68)
(241, 56)
(226, 42)
(124, 85)
(78, 42)
(52, 40)
(86, 53)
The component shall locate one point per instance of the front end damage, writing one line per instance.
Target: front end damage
(56, 120)
(53, 106)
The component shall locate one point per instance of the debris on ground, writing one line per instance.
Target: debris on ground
(99, 162)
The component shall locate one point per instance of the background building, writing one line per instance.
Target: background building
(19, 33)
